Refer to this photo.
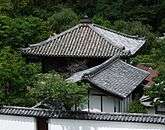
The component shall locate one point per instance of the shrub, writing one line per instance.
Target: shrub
(136, 107)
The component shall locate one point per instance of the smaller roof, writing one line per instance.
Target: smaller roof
(113, 76)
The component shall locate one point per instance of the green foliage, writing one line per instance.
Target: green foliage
(101, 21)
(15, 76)
(156, 57)
(109, 8)
(157, 91)
(63, 20)
(19, 32)
(137, 28)
(136, 107)
(54, 87)
(13, 7)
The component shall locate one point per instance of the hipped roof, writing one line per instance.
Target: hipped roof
(87, 40)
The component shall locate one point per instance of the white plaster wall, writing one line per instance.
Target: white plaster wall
(17, 123)
(63, 124)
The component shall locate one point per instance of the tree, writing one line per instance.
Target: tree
(109, 9)
(20, 32)
(15, 76)
(158, 89)
(63, 20)
(157, 93)
(53, 87)
(102, 21)
(13, 7)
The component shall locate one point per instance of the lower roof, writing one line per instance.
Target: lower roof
(114, 76)
(82, 115)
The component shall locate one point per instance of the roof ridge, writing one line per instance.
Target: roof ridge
(101, 67)
(120, 33)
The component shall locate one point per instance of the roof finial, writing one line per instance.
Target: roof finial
(86, 20)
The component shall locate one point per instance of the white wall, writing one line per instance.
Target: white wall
(64, 124)
(17, 123)
(108, 103)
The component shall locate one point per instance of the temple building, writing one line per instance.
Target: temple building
(81, 47)
(96, 55)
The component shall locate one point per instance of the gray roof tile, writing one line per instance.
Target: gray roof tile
(86, 40)
(114, 76)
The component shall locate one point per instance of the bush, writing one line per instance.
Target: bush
(53, 87)
(136, 107)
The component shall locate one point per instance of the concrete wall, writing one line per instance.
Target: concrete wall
(17, 123)
(64, 124)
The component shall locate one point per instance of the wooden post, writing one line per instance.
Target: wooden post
(88, 99)
(42, 123)
(101, 103)
(43, 64)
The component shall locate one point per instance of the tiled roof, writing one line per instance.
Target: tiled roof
(81, 115)
(87, 40)
(130, 43)
(114, 76)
